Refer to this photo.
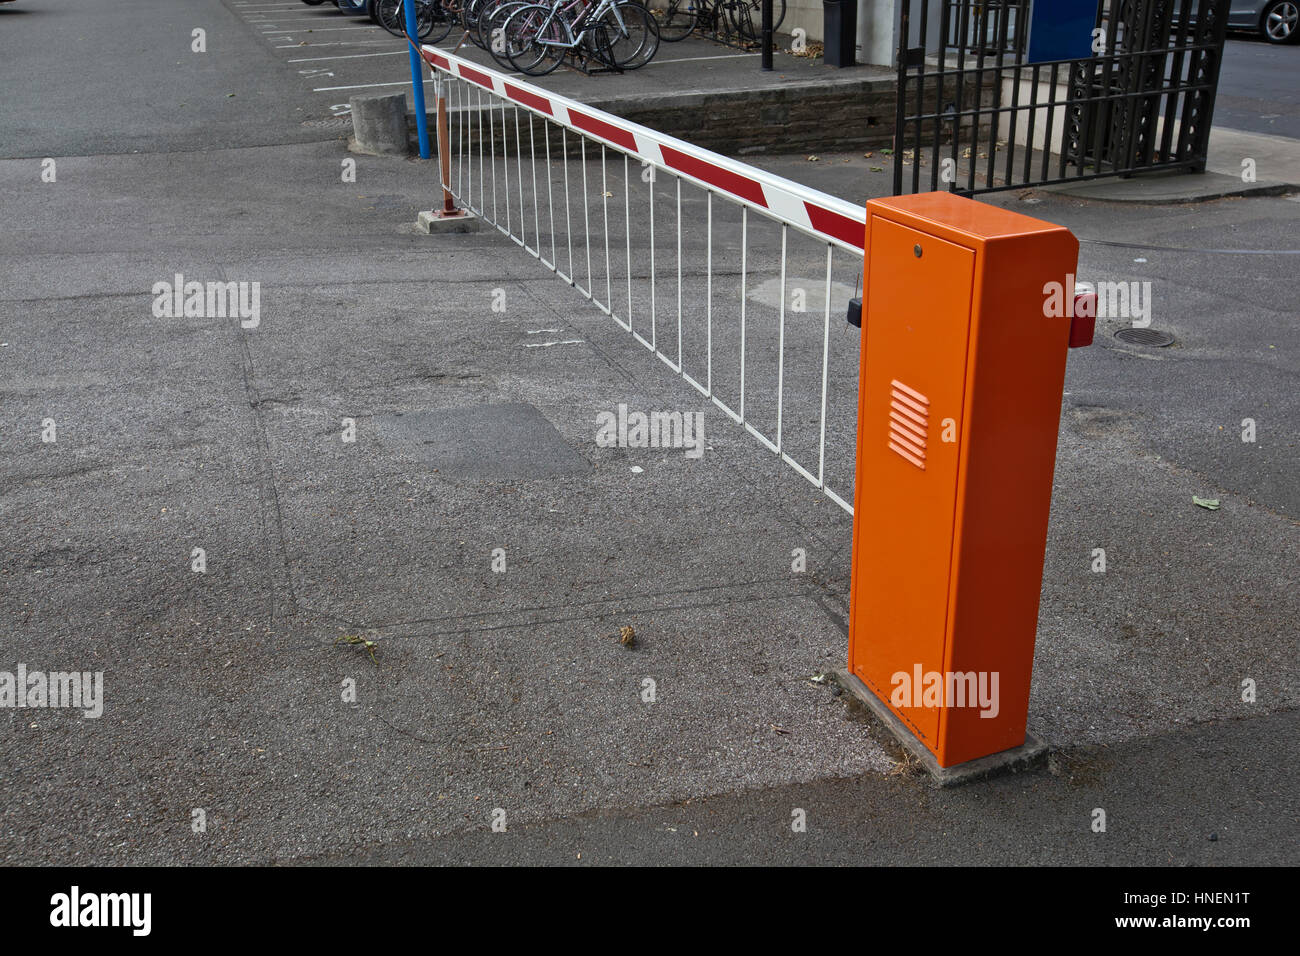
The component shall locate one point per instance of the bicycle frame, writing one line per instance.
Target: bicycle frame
(589, 15)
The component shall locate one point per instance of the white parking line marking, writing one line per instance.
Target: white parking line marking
(362, 86)
(326, 30)
(345, 56)
(290, 20)
(298, 46)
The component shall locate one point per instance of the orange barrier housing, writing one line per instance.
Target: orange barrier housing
(962, 372)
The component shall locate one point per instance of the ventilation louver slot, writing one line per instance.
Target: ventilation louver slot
(909, 423)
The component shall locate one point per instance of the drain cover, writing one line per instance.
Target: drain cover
(1152, 337)
(491, 442)
(332, 122)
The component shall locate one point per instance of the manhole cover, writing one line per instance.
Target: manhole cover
(331, 122)
(1152, 337)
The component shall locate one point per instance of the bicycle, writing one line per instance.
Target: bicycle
(680, 18)
(621, 34)
(490, 28)
(433, 20)
(470, 14)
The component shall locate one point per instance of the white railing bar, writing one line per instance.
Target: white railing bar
(780, 349)
(726, 408)
(826, 357)
(653, 315)
(708, 298)
(744, 267)
(761, 437)
(464, 175)
(586, 215)
(482, 191)
(460, 137)
(609, 272)
(627, 232)
(801, 469)
(519, 178)
(679, 272)
(550, 194)
(537, 216)
(837, 499)
(568, 222)
(505, 170)
(492, 155)
(829, 218)
(702, 390)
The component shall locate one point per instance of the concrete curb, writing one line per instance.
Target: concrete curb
(1168, 189)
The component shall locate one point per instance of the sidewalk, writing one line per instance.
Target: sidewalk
(1276, 171)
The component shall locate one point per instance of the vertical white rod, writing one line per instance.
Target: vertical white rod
(826, 354)
(679, 271)
(604, 202)
(627, 231)
(744, 264)
(780, 348)
(708, 297)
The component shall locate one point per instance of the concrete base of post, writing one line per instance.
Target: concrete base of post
(435, 221)
(1027, 756)
(379, 124)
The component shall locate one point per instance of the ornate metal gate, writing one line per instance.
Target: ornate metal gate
(999, 95)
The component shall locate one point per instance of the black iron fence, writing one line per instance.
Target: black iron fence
(999, 95)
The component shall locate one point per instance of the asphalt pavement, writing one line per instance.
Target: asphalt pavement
(228, 691)
(1257, 87)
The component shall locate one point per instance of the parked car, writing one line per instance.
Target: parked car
(360, 8)
(1277, 21)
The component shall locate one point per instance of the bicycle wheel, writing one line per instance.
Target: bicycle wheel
(631, 34)
(433, 20)
(677, 20)
(536, 42)
(469, 20)
(478, 35)
(387, 12)
(746, 18)
(492, 30)
(741, 21)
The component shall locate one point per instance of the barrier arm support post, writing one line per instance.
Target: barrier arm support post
(448, 218)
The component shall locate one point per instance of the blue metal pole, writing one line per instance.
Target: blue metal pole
(417, 80)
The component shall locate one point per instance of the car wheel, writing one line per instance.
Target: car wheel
(1281, 22)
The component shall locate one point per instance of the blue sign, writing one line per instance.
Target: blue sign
(1061, 30)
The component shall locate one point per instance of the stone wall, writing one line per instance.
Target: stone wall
(789, 119)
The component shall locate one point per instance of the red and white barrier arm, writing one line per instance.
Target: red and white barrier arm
(816, 213)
